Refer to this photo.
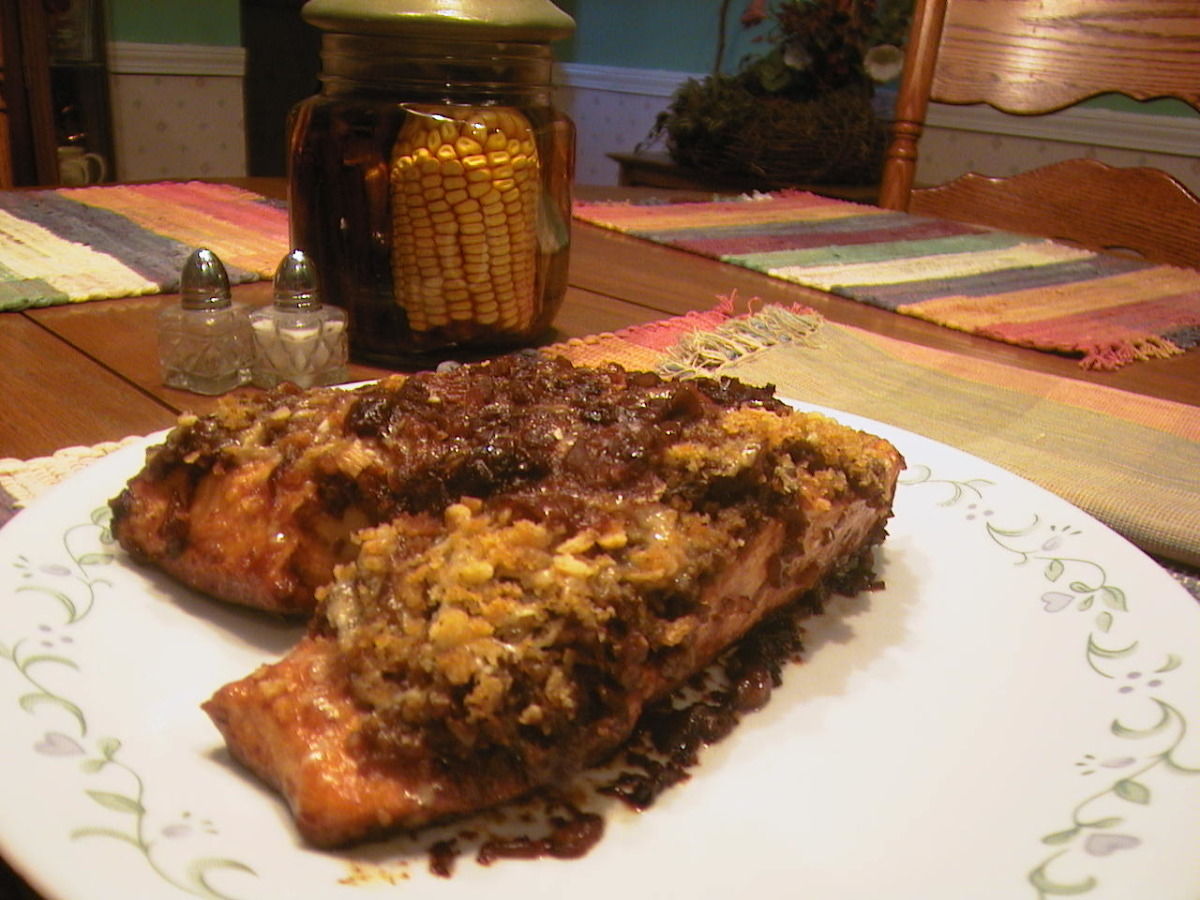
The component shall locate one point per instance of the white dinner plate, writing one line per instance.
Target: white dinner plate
(1016, 714)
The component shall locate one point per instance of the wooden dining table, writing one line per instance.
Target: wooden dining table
(82, 374)
(85, 373)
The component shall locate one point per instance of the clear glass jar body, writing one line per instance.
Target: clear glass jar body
(437, 240)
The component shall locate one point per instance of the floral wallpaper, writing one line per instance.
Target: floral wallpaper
(606, 122)
(178, 126)
(947, 153)
(189, 126)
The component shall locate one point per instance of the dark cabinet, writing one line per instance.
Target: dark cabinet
(282, 67)
(54, 97)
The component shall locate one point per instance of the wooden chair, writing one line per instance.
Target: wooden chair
(1033, 57)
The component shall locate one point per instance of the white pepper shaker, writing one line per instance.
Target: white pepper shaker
(297, 338)
(204, 342)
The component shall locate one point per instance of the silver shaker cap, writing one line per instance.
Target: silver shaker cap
(204, 283)
(296, 282)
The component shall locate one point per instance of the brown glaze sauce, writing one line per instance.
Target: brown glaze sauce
(442, 857)
(571, 836)
(665, 746)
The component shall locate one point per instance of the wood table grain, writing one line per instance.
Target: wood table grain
(85, 373)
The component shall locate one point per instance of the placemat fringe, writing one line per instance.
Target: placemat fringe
(699, 353)
(1110, 357)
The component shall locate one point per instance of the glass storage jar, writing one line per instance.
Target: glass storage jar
(430, 179)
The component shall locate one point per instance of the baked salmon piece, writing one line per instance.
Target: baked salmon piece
(256, 503)
(526, 554)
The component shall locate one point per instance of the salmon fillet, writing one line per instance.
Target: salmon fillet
(300, 725)
(503, 564)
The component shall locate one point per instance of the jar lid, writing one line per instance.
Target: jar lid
(530, 21)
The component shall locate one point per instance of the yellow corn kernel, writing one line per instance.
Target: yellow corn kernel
(465, 195)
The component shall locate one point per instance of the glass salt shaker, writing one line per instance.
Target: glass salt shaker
(297, 338)
(204, 343)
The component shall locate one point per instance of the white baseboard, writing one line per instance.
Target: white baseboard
(134, 58)
(1174, 135)
(618, 80)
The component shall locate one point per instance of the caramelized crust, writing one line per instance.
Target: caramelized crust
(300, 727)
(293, 724)
(257, 503)
(507, 563)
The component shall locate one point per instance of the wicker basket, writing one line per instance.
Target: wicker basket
(832, 139)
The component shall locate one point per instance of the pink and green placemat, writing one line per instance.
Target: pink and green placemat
(73, 244)
(1131, 461)
(1109, 310)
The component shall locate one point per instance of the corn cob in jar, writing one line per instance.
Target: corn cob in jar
(465, 192)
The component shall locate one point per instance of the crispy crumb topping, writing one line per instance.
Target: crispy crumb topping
(500, 631)
(538, 537)
(518, 618)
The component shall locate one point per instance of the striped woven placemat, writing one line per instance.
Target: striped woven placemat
(73, 244)
(1018, 289)
(1131, 461)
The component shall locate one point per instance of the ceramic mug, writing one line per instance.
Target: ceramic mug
(76, 166)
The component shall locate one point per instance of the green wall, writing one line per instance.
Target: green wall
(681, 36)
(672, 35)
(676, 35)
(210, 22)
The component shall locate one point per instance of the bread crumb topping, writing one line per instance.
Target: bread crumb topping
(538, 536)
